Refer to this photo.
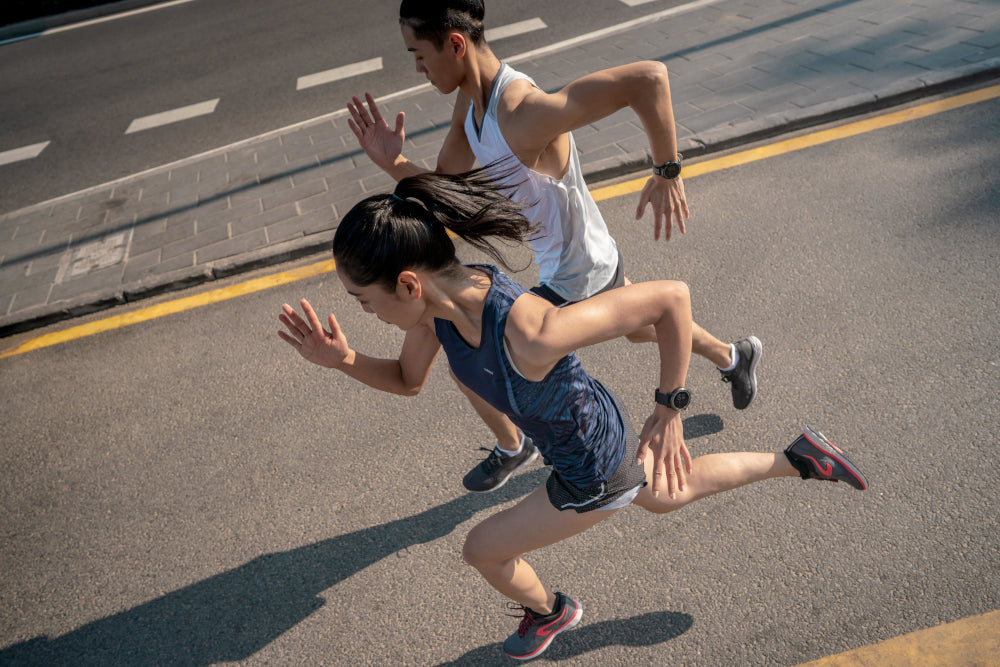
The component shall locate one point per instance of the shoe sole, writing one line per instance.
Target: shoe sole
(572, 623)
(525, 462)
(758, 352)
(820, 442)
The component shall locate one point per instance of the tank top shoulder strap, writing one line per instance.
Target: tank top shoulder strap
(505, 76)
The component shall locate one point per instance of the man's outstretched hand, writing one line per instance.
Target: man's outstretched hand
(669, 204)
(382, 144)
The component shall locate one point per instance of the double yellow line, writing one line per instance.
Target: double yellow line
(629, 187)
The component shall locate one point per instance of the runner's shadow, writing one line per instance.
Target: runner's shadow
(697, 426)
(234, 614)
(645, 630)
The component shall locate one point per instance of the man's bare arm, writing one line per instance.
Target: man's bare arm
(384, 145)
(533, 119)
(456, 155)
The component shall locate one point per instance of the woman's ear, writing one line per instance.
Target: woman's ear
(408, 285)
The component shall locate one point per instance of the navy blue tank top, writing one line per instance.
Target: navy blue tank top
(573, 420)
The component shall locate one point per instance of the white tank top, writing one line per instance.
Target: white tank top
(576, 255)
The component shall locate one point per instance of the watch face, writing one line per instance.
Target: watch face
(672, 170)
(681, 399)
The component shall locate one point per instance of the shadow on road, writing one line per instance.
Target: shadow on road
(235, 614)
(697, 426)
(646, 630)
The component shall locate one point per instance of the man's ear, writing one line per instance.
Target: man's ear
(459, 45)
(408, 285)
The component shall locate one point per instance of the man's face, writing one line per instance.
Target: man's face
(443, 68)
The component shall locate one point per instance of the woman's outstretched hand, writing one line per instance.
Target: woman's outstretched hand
(310, 339)
(663, 438)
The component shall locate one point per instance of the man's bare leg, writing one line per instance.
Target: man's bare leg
(511, 453)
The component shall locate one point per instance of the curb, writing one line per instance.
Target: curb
(716, 140)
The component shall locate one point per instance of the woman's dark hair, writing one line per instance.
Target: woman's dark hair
(386, 234)
(434, 19)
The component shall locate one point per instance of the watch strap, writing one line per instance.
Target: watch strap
(669, 170)
(668, 399)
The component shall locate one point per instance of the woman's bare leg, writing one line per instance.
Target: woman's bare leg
(715, 473)
(495, 546)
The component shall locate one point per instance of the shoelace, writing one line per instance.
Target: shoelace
(493, 461)
(527, 622)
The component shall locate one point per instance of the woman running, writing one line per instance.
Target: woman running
(515, 349)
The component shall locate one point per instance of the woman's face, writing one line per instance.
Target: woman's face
(402, 307)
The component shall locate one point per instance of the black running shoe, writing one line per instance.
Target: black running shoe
(535, 633)
(743, 378)
(815, 457)
(496, 469)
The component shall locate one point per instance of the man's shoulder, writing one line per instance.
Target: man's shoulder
(516, 93)
(519, 97)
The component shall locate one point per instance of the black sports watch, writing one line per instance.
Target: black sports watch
(678, 399)
(669, 170)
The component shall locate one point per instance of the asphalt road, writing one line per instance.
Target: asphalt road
(82, 89)
(186, 491)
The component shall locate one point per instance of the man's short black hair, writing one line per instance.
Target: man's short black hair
(432, 20)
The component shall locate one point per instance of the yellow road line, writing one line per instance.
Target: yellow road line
(171, 307)
(814, 139)
(971, 641)
(600, 194)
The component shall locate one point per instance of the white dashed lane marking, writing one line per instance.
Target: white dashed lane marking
(338, 73)
(519, 28)
(173, 116)
(23, 153)
(375, 64)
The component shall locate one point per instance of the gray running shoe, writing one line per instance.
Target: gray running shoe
(743, 378)
(496, 469)
(535, 633)
(815, 457)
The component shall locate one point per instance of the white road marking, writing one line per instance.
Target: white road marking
(102, 19)
(338, 73)
(635, 3)
(23, 153)
(91, 257)
(173, 116)
(415, 90)
(519, 28)
(611, 30)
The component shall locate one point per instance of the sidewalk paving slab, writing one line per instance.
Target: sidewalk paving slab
(741, 71)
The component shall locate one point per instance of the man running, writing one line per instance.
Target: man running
(502, 118)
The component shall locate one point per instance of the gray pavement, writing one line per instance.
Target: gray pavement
(741, 70)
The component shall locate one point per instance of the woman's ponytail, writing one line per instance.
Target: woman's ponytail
(386, 234)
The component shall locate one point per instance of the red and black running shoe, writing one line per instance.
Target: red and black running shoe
(535, 633)
(815, 457)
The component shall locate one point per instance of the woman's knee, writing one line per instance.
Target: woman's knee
(663, 503)
(642, 336)
(482, 553)
(474, 551)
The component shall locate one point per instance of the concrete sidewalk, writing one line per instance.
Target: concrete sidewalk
(741, 70)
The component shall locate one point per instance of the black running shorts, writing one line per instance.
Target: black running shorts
(629, 475)
(550, 295)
